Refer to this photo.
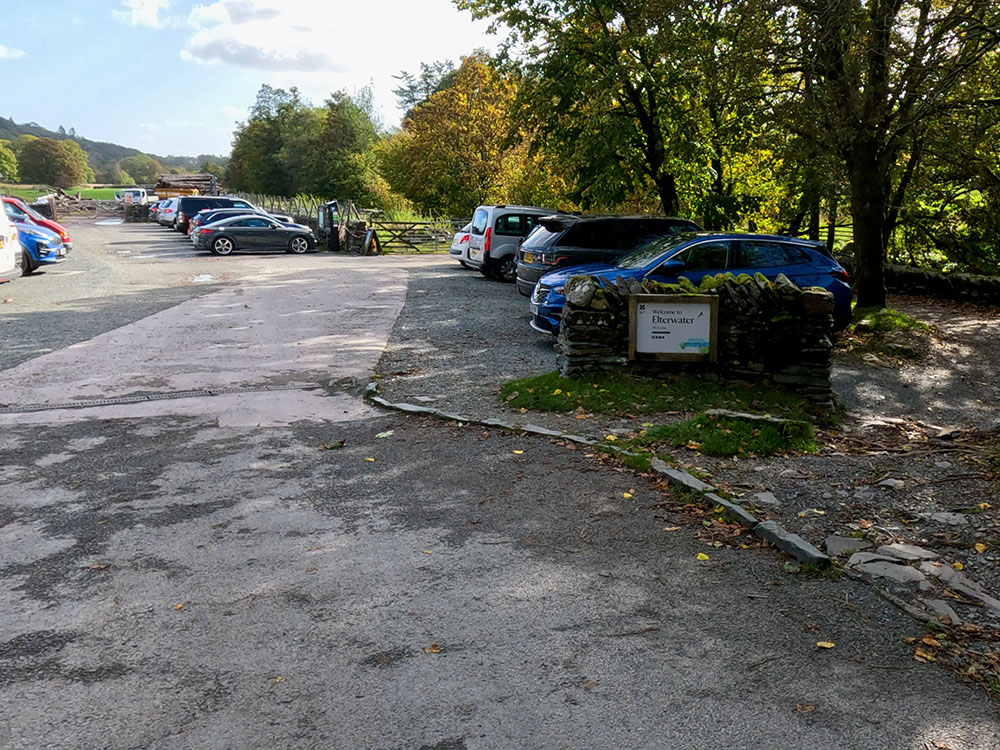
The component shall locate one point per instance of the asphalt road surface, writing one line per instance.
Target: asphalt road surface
(251, 557)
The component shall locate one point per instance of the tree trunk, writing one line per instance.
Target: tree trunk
(814, 218)
(831, 222)
(666, 186)
(869, 200)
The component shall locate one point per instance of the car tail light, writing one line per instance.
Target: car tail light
(204, 231)
(180, 216)
(168, 210)
(551, 260)
(486, 240)
(841, 275)
(465, 238)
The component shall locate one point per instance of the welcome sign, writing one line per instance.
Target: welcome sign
(673, 327)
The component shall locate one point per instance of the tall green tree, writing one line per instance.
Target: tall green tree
(874, 76)
(143, 168)
(60, 163)
(8, 163)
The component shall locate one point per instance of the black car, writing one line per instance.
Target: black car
(209, 215)
(253, 232)
(189, 205)
(567, 240)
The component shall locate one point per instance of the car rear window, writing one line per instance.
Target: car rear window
(705, 256)
(512, 225)
(768, 254)
(621, 234)
(480, 221)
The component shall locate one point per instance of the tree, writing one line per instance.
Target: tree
(8, 163)
(61, 130)
(447, 159)
(212, 167)
(18, 144)
(874, 77)
(416, 89)
(59, 163)
(142, 167)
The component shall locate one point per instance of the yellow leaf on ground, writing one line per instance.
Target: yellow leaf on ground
(922, 656)
(433, 649)
(984, 506)
(627, 495)
(805, 708)
(693, 445)
(518, 453)
(929, 641)
(278, 679)
(701, 556)
(611, 438)
(958, 566)
(980, 547)
(428, 552)
(557, 392)
(178, 606)
(99, 566)
(370, 460)
(825, 644)
(671, 528)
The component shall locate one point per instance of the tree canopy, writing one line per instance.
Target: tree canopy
(59, 163)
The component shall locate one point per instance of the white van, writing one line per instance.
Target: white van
(136, 196)
(10, 249)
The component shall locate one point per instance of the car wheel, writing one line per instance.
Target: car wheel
(506, 270)
(223, 246)
(28, 266)
(298, 245)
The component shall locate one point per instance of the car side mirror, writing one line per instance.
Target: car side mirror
(669, 268)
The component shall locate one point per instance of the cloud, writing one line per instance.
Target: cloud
(249, 55)
(10, 53)
(142, 12)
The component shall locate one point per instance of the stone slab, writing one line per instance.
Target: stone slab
(732, 511)
(793, 544)
(842, 545)
(906, 552)
(893, 571)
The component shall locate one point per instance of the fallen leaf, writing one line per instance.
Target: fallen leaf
(980, 547)
(692, 445)
(178, 606)
(648, 424)
(518, 453)
(627, 495)
(958, 566)
(557, 392)
(805, 708)
(589, 684)
(332, 446)
(671, 528)
(387, 433)
(99, 566)
(7, 300)
(922, 656)
(929, 641)
(428, 552)
(611, 438)
(701, 556)
(825, 644)
(370, 460)
(433, 649)
(512, 396)
(278, 679)
(864, 523)
(984, 506)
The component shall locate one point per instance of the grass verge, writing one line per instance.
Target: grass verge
(726, 436)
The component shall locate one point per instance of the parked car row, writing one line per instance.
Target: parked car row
(225, 224)
(28, 240)
(540, 249)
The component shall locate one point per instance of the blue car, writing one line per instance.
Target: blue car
(41, 246)
(698, 254)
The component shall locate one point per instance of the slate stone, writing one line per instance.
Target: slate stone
(906, 552)
(949, 518)
(895, 572)
(841, 545)
(536, 430)
(424, 399)
(860, 558)
(766, 499)
(732, 511)
(892, 484)
(793, 544)
(683, 479)
(945, 614)
(961, 583)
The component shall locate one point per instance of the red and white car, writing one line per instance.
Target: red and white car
(18, 210)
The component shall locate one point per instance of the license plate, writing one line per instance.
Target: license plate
(529, 258)
(534, 309)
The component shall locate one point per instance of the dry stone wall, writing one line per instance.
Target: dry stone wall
(767, 331)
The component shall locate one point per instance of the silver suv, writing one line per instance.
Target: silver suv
(496, 233)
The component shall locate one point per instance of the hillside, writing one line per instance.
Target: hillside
(101, 154)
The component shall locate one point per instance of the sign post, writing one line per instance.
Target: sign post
(664, 327)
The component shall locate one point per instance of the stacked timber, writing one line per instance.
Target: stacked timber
(205, 184)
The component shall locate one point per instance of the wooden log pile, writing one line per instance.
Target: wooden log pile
(205, 184)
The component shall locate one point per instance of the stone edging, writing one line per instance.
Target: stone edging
(769, 531)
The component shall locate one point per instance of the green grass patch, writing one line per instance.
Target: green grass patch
(623, 394)
(886, 319)
(726, 436)
(101, 194)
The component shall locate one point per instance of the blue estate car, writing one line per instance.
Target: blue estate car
(698, 254)
(41, 246)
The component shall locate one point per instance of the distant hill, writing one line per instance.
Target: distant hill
(101, 154)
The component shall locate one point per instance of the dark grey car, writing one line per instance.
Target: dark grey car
(253, 233)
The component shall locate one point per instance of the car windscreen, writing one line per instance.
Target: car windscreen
(32, 212)
(645, 254)
(480, 221)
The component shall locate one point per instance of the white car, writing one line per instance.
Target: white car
(460, 245)
(10, 249)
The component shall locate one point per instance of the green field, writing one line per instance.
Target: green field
(30, 193)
